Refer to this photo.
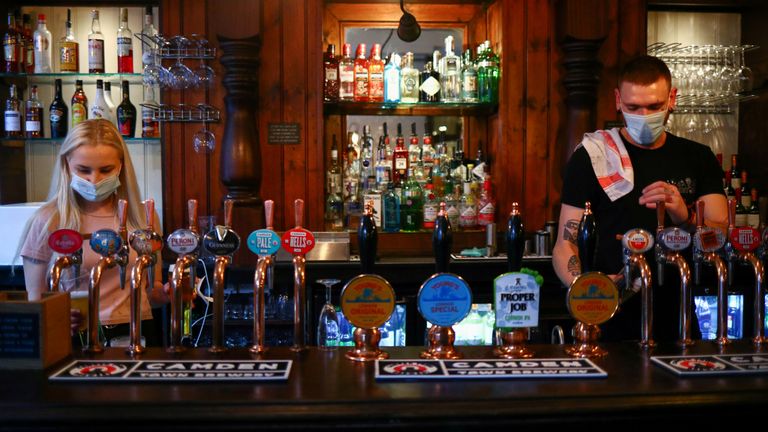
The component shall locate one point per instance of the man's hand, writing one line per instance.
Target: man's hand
(674, 202)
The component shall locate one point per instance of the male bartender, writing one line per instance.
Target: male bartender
(623, 172)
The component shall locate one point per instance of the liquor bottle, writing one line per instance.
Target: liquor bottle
(741, 211)
(367, 171)
(411, 206)
(124, 44)
(29, 46)
(99, 107)
(68, 48)
(334, 171)
(730, 192)
(79, 104)
(346, 74)
(439, 166)
(414, 149)
(126, 114)
(746, 191)
(493, 72)
(401, 159)
(108, 98)
(391, 204)
(149, 31)
(334, 205)
(735, 172)
(352, 177)
(95, 45)
(375, 75)
(468, 79)
(13, 113)
(390, 149)
(458, 171)
(392, 79)
(58, 114)
(330, 75)
(431, 206)
(10, 46)
(451, 204)
(429, 89)
(753, 212)
(150, 128)
(409, 80)
(450, 74)
(486, 205)
(467, 209)
(33, 115)
(362, 89)
(383, 166)
(42, 40)
(427, 151)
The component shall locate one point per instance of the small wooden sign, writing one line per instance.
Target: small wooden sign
(283, 133)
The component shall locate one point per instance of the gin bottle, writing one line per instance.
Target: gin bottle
(95, 45)
(409, 80)
(42, 45)
(450, 74)
(392, 79)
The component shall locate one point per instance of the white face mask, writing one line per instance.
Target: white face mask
(95, 192)
(645, 129)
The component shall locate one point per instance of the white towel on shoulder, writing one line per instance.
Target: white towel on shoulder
(610, 161)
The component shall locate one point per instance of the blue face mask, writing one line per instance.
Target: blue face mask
(95, 192)
(645, 129)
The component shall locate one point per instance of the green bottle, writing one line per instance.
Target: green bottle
(412, 205)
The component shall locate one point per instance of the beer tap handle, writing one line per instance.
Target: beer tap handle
(298, 211)
(586, 238)
(731, 215)
(699, 214)
(367, 238)
(697, 254)
(515, 239)
(269, 213)
(192, 215)
(442, 240)
(661, 210)
(122, 217)
(730, 254)
(228, 205)
(149, 212)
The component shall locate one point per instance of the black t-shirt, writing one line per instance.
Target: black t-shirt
(692, 167)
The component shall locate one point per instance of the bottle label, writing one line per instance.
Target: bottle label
(486, 215)
(97, 111)
(753, 220)
(32, 125)
(741, 220)
(377, 85)
(79, 113)
(9, 51)
(12, 121)
(41, 43)
(746, 201)
(124, 46)
(468, 217)
(56, 115)
(401, 163)
(430, 214)
(68, 57)
(361, 82)
(331, 74)
(736, 183)
(430, 86)
(96, 54)
(125, 125)
(469, 84)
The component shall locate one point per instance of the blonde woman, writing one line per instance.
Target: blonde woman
(92, 172)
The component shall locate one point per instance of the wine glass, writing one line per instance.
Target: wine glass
(746, 77)
(328, 335)
(205, 74)
(204, 141)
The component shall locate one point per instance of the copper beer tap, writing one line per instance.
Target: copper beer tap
(68, 243)
(299, 286)
(263, 275)
(707, 241)
(146, 242)
(186, 243)
(669, 243)
(636, 242)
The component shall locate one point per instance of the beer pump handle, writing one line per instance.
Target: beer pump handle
(442, 240)
(699, 214)
(298, 211)
(586, 238)
(515, 239)
(192, 214)
(731, 214)
(228, 204)
(149, 211)
(269, 213)
(122, 218)
(367, 238)
(661, 210)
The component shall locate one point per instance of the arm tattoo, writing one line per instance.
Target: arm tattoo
(574, 265)
(570, 229)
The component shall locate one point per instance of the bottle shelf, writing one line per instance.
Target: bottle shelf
(184, 113)
(406, 109)
(59, 140)
(71, 77)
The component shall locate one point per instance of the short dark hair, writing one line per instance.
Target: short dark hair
(645, 70)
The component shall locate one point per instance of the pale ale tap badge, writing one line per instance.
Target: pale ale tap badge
(221, 242)
(367, 300)
(69, 245)
(636, 242)
(298, 242)
(743, 242)
(184, 242)
(592, 298)
(264, 243)
(669, 243)
(445, 298)
(707, 242)
(146, 242)
(515, 295)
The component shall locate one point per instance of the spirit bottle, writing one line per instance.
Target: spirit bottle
(376, 75)
(147, 46)
(330, 75)
(469, 79)
(334, 204)
(409, 80)
(124, 44)
(400, 156)
(753, 212)
(746, 195)
(362, 89)
(34, 115)
(58, 113)
(486, 205)
(10, 46)
(414, 149)
(429, 90)
(334, 172)
(450, 74)
(730, 192)
(391, 204)
(126, 114)
(392, 79)
(735, 172)
(108, 98)
(346, 74)
(95, 45)
(383, 166)
(68, 48)
(150, 128)
(352, 177)
(13, 114)
(467, 209)
(431, 206)
(99, 108)
(367, 171)
(427, 151)
(741, 212)
(42, 40)
(79, 104)
(487, 74)
(28, 46)
(451, 204)
(411, 206)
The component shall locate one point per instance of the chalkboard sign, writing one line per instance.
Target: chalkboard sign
(19, 335)
(283, 133)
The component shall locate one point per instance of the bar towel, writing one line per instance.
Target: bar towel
(610, 161)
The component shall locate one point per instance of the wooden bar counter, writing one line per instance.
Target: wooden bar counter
(325, 390)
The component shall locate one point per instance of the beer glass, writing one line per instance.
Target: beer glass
(328, 335)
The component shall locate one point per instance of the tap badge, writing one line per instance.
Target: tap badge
(65, 241)
(593, 298)
(183, 241)
(145, 242)
(298, 241)
(106, 242)
(675, 239)
(263, 242)
(745, 239)
(708, 239)
(444, 299)
(221, 241)
(368, 301)
(516, 298)
(637, 241)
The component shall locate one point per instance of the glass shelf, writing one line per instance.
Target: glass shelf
(24, 139)
(70, 77)
(406, 109)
